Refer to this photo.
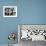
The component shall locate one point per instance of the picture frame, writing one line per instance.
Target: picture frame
(9, 11)
(39, 28)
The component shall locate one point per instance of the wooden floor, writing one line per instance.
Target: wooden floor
(9, 45)
(30, 43)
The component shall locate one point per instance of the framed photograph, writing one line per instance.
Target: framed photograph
(31, 32)
(9, 11)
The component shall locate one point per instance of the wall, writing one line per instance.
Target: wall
(29, 12)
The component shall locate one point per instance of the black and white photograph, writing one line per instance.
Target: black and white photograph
(29, 34)
(9, 11)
